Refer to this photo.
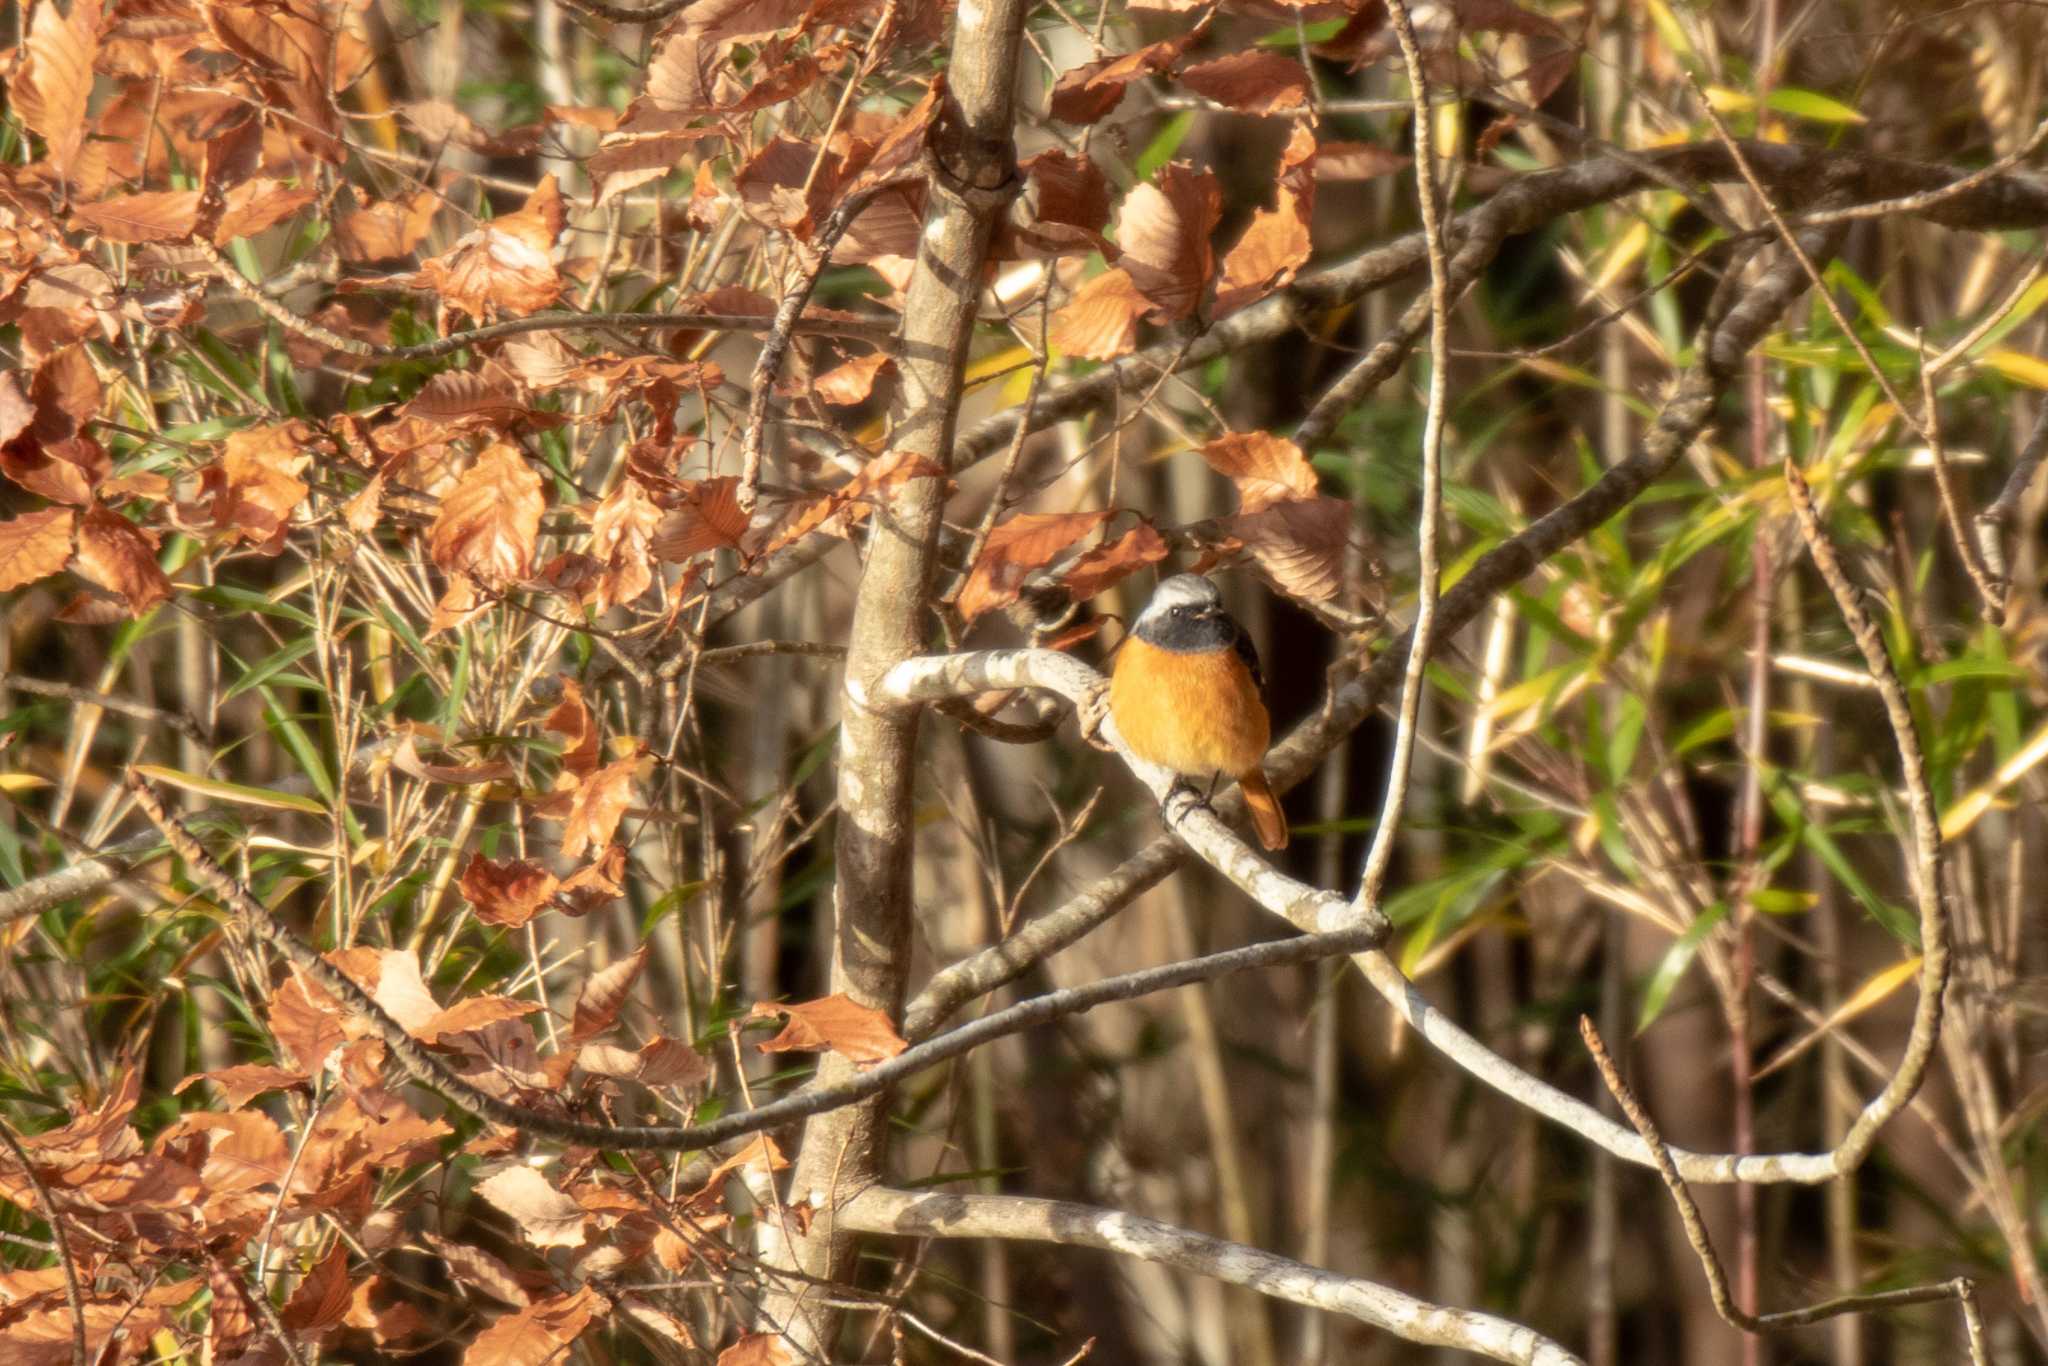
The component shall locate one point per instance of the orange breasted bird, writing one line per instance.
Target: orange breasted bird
(1185, 696)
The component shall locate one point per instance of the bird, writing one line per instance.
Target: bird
(1185, 694)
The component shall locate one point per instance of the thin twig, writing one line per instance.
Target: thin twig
(1381, 855)
(1990, 589)
(1960, 1289)
(88, 697)
(783, 328)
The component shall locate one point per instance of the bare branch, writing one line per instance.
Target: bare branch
(908, 1214)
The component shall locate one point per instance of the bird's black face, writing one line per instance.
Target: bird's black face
(1186, 614)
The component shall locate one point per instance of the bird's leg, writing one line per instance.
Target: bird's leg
(1194, 799)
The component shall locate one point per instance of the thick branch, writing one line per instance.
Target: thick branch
(906, 1214)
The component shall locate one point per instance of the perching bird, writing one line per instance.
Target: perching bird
(1185, 696)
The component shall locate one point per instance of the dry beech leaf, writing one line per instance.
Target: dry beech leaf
(387, 231)
(604, 994)
(305, 1025)
(852, 382)
(621, 544)
(1101, 321)
(479, 1270)
(120, 556)
(1266, 468)
(472, 1015)
(1277, 243)
(1356, 161)
(507, 265)
(843, 508)
(1018, 548)
(1111, 563)
(406, 759)
(856, 1032)
(1164, 230)
(490, 519)
(507, 894)
(52, 90)
(378, 1308)
(661, 1061)
(255, 484)
(151, 216)
(571, 719)
(231, 1321)
(755, 1349)
(257, 205)
(321, 1300)
(1256, 82)
(709, 519)
(243, 1082)
(546, 1217)
(1298, 543)
(35, 545)
(1085, 93)
(598, 802)
(539, 1334)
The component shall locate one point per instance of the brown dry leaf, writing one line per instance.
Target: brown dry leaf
(621, 539)
(538, 1335)
(507, 265)
(604, 994)
(406, 759)
(728, 21)
(1085, 93)
(243, 1082)
(755, 1349)
(245, 1150)
(232, 1321)
(599, 801)
(1066, 205)
(255, 484)
(1112, 563)
(571, 719)
(843, 508)
(546, 1217)
(1101, 321)
(467, 400)
(120, 556)
(472, 1015)
(853, 381)
(35, 545)
(54, 86)
(591, 887)
(858, 1033)
(647, 145)
(1256, 82)
(1356, 161)
(490, 519)
(380, 1308)
(386, 231)
(1297, 543)
(151, 216)
(1266, 469)
(305, 1024)
(479, 1270)
(321, 1300)
(1277, 243)
(507, 894)
(788, 185)
(257, 205)
(709, 519)
(660, 1061)
(1017, 549)
(759, 1155)
(1164, 231)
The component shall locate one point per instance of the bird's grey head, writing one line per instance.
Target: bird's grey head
(1186, 612)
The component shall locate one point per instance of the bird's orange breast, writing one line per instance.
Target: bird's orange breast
(1196, 714)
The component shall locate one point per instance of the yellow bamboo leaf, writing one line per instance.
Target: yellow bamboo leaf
(1872, 993)
(11, 783)
(230, 792)
(2018, 365)
(1967, 808)
(1624, 254)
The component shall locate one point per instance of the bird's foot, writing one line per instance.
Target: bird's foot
(1092, 712)
(1184, 798)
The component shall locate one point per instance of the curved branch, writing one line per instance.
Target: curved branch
(1067, 1224)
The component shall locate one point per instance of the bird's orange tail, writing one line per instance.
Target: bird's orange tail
(1267, 818)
